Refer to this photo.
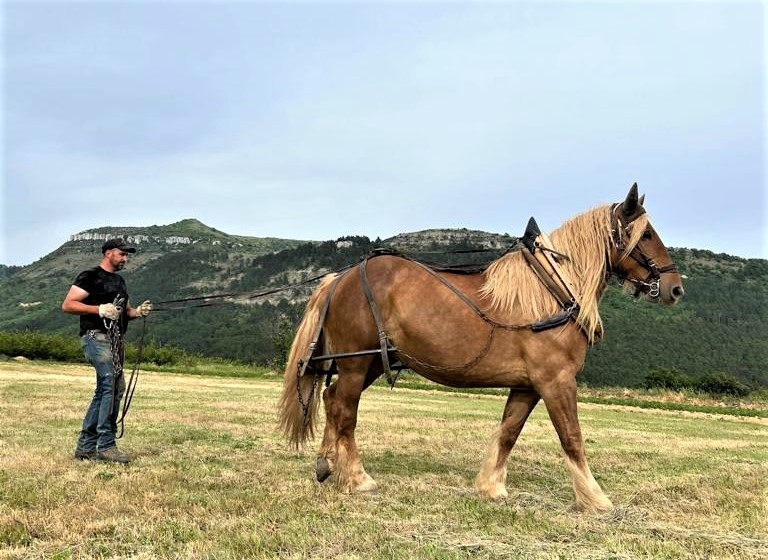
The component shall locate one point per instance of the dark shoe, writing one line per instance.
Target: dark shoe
(85, 455)
(113, 455)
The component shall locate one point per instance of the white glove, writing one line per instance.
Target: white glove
(109, 311)
(144, 309)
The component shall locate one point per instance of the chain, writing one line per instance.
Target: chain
(305, 405)
(447, 369)
(116, 345)
(117, 348)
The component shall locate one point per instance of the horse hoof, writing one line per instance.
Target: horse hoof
(492, 491)
(368, 486)
(322, 469)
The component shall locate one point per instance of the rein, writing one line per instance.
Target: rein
(117, 348)
(223, 299)
(130, 387)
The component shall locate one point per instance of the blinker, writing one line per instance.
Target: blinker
(532, 231)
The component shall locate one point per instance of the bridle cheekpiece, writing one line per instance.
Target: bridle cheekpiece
(651, 285)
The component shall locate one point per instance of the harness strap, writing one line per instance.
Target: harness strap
(312, 346)
(570, 308)
(547, 277)
(536, 326)
(320, 324)
(383, 341)
(651, 284)
(546, 256)
(471, 304)
(549, 273)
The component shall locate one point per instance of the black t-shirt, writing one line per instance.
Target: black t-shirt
(102, 287)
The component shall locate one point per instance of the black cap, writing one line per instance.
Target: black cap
(118, 243)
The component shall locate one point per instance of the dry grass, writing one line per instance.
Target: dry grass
(213, 479)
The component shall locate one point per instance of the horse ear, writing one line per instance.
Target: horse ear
(642, 200)
(630, 203)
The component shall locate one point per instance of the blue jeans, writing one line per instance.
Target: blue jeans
(100, 422)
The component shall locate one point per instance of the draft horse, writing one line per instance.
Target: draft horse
(471, 330)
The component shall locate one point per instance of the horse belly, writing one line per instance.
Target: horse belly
(479, 379)
(488, 361)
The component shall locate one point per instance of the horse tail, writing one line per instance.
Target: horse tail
(300, 402)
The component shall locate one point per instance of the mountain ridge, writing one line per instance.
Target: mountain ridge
(721, 326)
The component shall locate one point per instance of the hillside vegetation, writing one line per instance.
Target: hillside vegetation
(720, 328)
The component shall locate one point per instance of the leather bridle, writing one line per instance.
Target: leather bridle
(651, 285)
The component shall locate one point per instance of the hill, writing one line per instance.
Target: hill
(721, 326)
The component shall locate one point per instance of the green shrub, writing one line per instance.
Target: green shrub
(668, 379)
(719, 384)
(283, 332)
(37, 346)
(155, 353)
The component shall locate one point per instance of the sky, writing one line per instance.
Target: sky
(316, 120)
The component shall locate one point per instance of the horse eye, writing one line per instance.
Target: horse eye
(647, 234)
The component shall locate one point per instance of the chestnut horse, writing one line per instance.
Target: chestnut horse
(482, 339)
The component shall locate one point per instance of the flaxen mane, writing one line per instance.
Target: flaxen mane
(515, 291)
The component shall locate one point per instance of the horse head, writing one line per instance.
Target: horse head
(638, 256)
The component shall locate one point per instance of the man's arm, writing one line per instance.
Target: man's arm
(73, 303)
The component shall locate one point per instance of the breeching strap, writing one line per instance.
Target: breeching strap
(383, 340)
(312, 347)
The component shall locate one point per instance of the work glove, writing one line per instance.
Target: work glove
(109, 311)
(144, 309)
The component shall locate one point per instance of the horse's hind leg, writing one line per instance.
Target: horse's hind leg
(338, 450)
(326, 455)
(491, 479)
(560, 398)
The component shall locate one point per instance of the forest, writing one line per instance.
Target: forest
(721, 327)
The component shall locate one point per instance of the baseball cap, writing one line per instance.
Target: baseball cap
(117, 243)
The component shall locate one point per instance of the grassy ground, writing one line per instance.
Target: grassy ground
(213, 479)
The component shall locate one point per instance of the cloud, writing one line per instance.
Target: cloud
(315, 121)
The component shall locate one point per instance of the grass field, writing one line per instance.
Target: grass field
(213, 479)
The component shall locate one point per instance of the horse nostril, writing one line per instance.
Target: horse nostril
(678, 292)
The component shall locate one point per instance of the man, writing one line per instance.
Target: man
(100, 297)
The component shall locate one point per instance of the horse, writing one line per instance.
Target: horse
(470, 330)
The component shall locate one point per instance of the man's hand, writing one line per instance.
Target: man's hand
(109, 311)
(144, 309)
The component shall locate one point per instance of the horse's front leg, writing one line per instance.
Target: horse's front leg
(338, 452)
(559, 395)
(491, 480)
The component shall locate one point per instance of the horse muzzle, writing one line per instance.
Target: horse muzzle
(668, 291)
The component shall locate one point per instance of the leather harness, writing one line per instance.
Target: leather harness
(652, 283)
(543, 260)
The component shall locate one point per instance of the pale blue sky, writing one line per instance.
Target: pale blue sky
(317, 120)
